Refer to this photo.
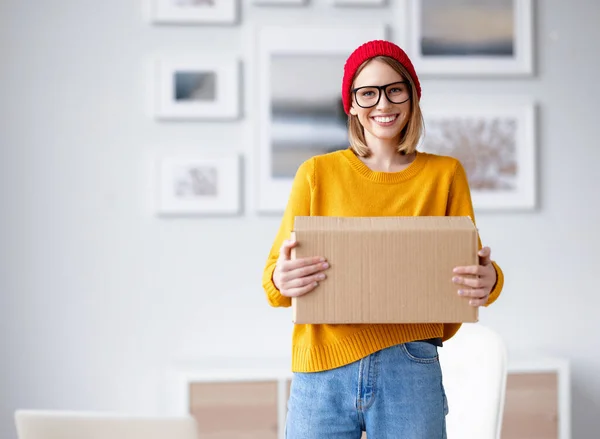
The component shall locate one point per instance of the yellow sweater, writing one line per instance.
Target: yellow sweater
(340, 184)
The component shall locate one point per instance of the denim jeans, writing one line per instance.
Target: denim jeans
(395, 393)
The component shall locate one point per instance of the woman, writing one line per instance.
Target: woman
(384, 379)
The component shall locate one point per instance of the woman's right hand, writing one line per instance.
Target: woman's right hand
(300, 276)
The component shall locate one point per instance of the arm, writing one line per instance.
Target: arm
(298, 205)
(460, 204)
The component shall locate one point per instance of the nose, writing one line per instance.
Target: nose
(383, 101)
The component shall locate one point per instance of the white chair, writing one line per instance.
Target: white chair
(36, 424)
(474, 366)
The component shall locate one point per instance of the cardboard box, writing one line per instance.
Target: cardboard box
(386, 269)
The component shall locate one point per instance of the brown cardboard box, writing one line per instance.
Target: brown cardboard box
(386, 269)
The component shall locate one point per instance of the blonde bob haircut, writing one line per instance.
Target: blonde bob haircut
(411, 133)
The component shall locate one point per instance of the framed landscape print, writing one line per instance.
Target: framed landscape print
(197, 89)
(472, 37)
(300, 106)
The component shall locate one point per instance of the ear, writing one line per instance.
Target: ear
(353, 111)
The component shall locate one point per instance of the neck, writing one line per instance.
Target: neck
(384, 155)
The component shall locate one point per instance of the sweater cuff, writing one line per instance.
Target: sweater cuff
(274, 297)
(498, 286)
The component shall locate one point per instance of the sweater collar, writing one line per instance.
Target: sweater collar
(386, 177)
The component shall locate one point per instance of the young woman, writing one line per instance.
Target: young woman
(384, 379)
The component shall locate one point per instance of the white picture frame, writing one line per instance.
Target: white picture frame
(442, 43)
(198, 185)
(279, 2)
(359, 3)
(500, 155)
(322, 43)
(194, 11)
(197, 89)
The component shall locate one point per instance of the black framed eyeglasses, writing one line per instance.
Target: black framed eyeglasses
(369, 95)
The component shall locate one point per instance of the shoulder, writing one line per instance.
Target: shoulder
(442, 163)
(330, 157)
(328, 160)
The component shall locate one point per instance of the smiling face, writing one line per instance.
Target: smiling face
(386, 119)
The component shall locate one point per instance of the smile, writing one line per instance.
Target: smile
(385, 120)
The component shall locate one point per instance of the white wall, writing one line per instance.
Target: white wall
(98, 296)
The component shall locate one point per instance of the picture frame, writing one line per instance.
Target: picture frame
(194, 12)
(279, 2)
(495, 140)
(456, 38)
(197, 89)
(359, 3)
(299, 88)
(198, 185)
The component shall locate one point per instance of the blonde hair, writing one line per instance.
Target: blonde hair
(412, 131)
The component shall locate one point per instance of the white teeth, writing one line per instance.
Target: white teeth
(384, 119)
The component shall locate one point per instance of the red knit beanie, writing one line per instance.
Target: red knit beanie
(371, 50)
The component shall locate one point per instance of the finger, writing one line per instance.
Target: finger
(302, 262)
(470, 269)
(305, 271)
(469, 282)
(303, 281)
(295, 292)
(478, 302)
(285, 252)
(476, 293)
(485, 255)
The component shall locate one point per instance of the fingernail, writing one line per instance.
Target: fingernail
(455, 270)
(455, 279)
(316, 284)
(325, 265)
(321, 259)
(321, 276)
(461, 292)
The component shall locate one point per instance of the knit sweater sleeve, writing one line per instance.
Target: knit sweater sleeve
(298, 205)
(460, 204)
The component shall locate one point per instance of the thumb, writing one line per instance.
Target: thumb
(485, 256)
(285, 253)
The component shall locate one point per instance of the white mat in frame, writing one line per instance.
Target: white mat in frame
(198, 184)
(196, 88)
(273, 192)
(194, 12)
(493, 38)
(495, 139)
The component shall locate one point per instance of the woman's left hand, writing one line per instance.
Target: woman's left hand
(477, 288)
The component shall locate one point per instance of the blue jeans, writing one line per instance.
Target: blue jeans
(396, 393)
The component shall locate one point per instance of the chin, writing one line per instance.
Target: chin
(385, 133)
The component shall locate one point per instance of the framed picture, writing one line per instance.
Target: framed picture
(496, 143)
(197, 89)
(472, 37)
(199, 186)
(279, 2)
(363, 3)
(194, 11)
(300, 104)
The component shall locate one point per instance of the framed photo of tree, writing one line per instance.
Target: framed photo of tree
(495, 142)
